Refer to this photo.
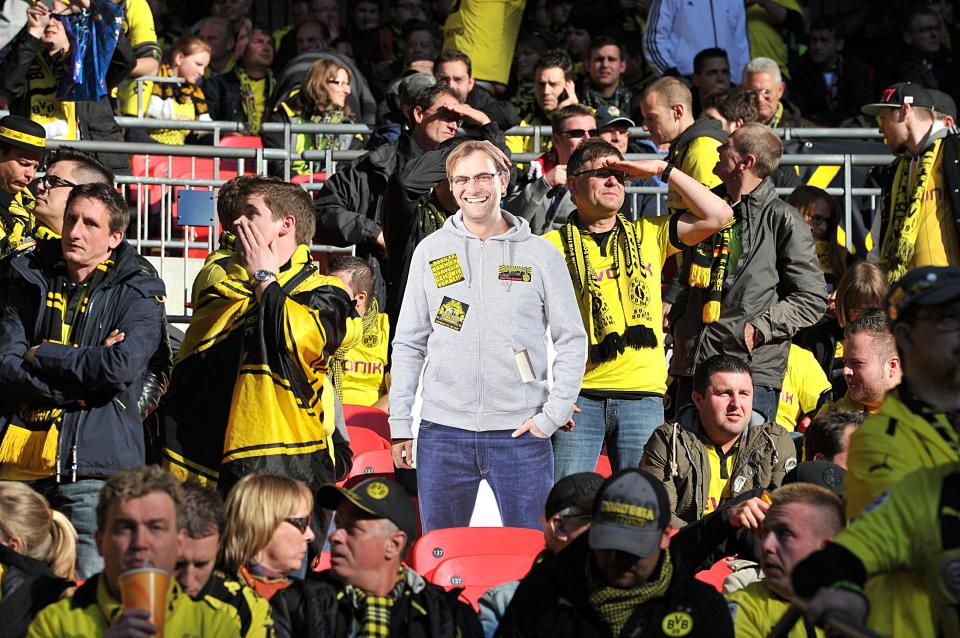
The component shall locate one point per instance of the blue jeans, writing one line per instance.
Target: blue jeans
(625, 425)
(452, 462)
(78, 502)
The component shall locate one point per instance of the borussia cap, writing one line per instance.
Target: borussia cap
(899, 94)
(927, 286)
(23, 133)
(630, 513)
(822, 473)
(608, 115)
(575, 490)
(380, 497)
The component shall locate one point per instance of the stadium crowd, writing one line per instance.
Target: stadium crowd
(732, 378)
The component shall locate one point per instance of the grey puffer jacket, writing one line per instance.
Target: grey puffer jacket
(777, 286)
(676, 454)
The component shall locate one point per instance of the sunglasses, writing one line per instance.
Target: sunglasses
(300, 522)
(577, 133)
(52, 181)
(604, 174)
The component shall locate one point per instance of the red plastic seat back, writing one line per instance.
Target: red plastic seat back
(361, 416)
(364, 440)
(367, 465)
(477, 574)
(442, 544)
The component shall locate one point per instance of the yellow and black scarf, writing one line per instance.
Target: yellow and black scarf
(248, 97)
(615, 605)
(182, 93)
(900, 239)
(30, 441)
(605, 343)
(335, 365)
(708, 269)
(373, 612)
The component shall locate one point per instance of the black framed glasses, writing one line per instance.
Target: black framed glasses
(577, 133)
(52, 181)
(604, 174)
(300, 522)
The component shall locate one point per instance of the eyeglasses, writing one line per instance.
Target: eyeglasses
(480, 179)
(301, 522)
(604, 174)
(52, 181)
(339, 82)
(577, 133)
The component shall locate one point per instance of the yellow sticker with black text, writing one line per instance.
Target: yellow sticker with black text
(452, 314)
(446, 270)
(677, 624)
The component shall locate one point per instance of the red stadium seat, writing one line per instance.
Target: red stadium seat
(367, 465)
(241, 141)
(364, 440)
(317, 178)
(361, 416)
(442, 544)
(477, 574)
(715, 575)
(603, 466)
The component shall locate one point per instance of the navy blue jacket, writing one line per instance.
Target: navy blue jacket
(98, 387)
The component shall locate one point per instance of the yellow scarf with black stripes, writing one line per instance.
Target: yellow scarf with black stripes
(182, 93)
(901, 237)
(708, 269)
(30, 441)
(597, 314)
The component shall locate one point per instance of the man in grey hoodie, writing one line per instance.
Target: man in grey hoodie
(482, 295)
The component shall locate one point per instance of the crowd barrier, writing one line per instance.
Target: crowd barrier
(161, 172)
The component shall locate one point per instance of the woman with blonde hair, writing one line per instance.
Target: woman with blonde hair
(38, 555)
(267, 531)
(320, 99)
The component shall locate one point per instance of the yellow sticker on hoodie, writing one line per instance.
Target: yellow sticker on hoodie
(446, 270)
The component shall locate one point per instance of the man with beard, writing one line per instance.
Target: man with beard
(915, 428)
(480, 294)
(871, 365)
(240, 94)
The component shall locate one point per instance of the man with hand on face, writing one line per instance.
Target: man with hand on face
(553, 90)
(454, 70)
(368, 591)
(615, 267)
(137, 518)
(202, 524)
(22, 145)
(479, 297)
(719, 448)
(620, 579)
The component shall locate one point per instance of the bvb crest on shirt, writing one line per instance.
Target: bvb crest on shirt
(370, 341)
(452, 314)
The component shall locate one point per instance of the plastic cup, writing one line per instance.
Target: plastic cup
(146, 588)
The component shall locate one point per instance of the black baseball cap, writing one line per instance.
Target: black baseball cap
(630, 514)
(896, 95)
(927, 286)
(822, 473)
(379, 497)
(944, 103)
(575, 490)
(23, 133)
(608, 115)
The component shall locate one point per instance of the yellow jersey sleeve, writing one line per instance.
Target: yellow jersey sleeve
(139, 26)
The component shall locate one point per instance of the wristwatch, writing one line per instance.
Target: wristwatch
(263, 275)
(665, 175)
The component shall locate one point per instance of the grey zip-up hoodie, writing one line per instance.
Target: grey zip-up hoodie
(474, 312)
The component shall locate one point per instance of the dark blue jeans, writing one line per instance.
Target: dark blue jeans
(78, 502)
(452, 462)
(625, 425)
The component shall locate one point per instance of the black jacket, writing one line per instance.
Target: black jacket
(317, 608)
(552, 601)
(809, 90)
(94, 119)
(105, 434)
(27, 587)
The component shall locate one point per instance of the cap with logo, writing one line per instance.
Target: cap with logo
(379, 497)
(926, 286)
(576, 490)
(630, 514)
(608, 115)
(822, 473)
(23, 133)
(896, 95)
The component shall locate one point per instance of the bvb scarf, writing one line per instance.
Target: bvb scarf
(605, 343)
(182, 93)
(901, 238)
(324, 141)
(30, 442)
(335, 367)
(615, 605)
(708, 269)
(248, 98)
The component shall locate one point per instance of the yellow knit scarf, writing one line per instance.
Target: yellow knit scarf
(901, 237)
(605, 343)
